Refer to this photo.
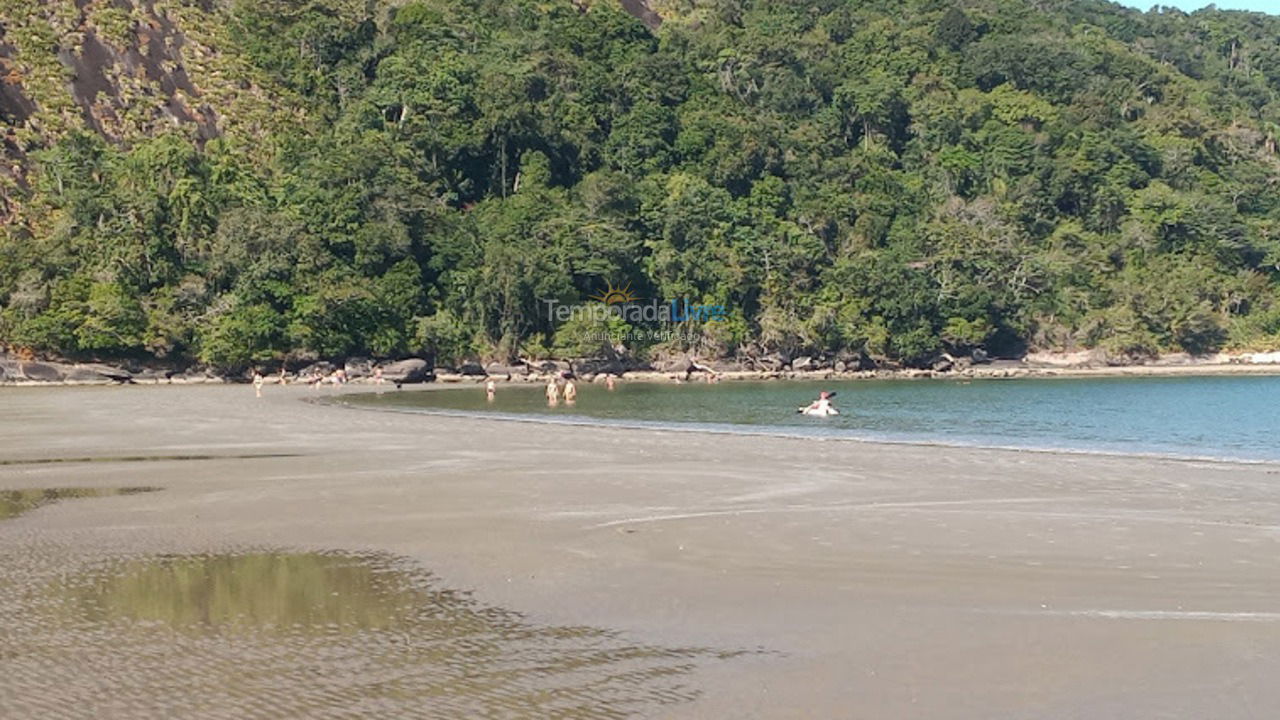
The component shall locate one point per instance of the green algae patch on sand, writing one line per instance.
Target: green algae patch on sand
(327, 633)
(16, 502)
(253, 592)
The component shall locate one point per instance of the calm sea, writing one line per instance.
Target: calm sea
(1236, 418)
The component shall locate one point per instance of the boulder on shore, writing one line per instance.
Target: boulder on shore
(598, 366)
(42, 371)
(806, 363)
(470, 369)
(96, 372)
(322, 368)
(358, 367)
(501, 370)
(402, 372)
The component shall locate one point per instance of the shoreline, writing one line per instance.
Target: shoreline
(764, 431)
(999, 370)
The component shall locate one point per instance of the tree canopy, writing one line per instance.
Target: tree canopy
(891, 179)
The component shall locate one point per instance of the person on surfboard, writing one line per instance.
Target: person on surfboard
(821, 407)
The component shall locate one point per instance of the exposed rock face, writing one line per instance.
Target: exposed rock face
(41, 371)
(37, 371)
(126, 69)
(640, 9)
(97, 372)
(112, 72)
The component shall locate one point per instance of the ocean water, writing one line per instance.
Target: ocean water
(1225, 418)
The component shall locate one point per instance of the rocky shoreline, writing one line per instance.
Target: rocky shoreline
(23, 372)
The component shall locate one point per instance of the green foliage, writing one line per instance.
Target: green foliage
(586, 336)
(246, 335)
(955, 29)
(891, 179)
(445, 335)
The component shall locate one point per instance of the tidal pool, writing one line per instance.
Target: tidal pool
(277, 634)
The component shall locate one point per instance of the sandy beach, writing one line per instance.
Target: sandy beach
(699, 575)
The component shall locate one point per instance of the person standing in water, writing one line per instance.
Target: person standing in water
(570, 392)
(490, 389)
(608, 381)
(553, 393)
(258, 380)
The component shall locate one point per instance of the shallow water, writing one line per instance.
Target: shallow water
(15, 502)
(278, 634)
(1235, 418)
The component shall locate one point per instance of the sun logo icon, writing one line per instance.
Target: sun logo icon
(615, 295)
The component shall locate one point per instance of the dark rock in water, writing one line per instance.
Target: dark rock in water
(358, 367)
(472, 369)
(413, 370)
(42, 371)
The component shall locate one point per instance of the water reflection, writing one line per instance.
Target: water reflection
(15, 502)
(335, 635)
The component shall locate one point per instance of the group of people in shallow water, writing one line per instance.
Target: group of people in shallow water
(559, 387)
(563, 386)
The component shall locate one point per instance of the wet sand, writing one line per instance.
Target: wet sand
(611, 571)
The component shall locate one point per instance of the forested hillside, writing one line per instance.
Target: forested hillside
(247, 181)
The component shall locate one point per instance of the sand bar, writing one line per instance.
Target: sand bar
(840, 579)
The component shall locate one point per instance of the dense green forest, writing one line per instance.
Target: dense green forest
(888, 178)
